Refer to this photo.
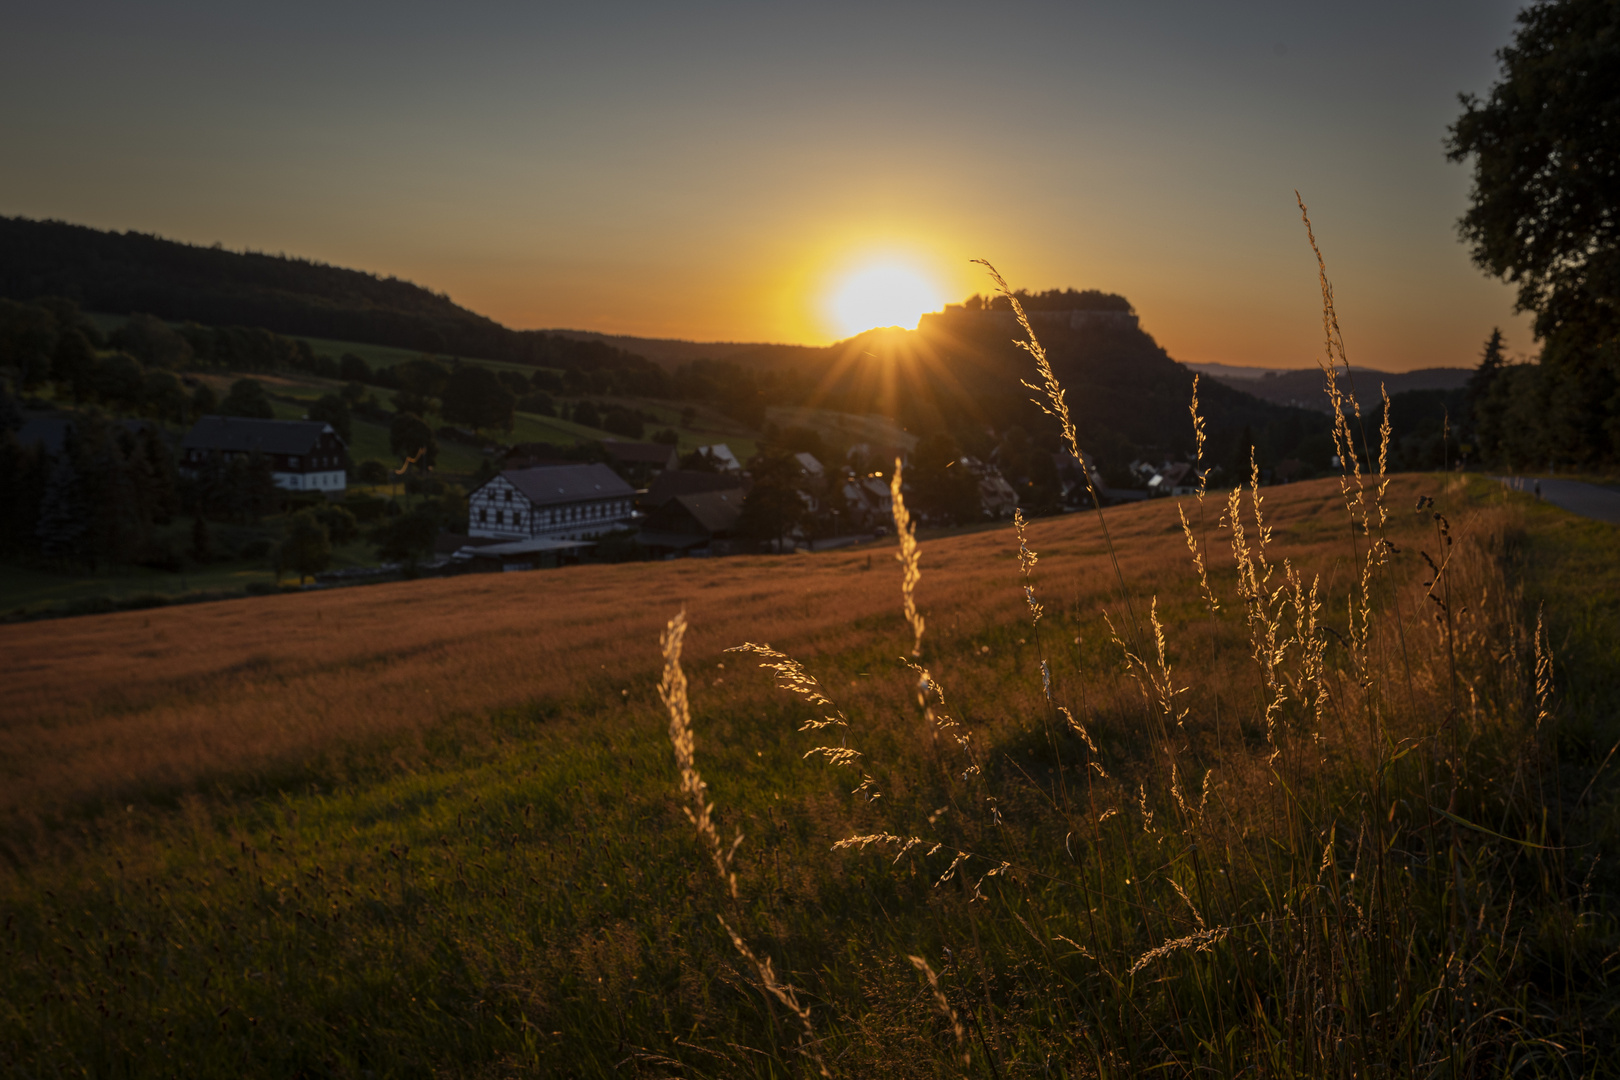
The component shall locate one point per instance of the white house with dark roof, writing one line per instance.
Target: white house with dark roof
(304, 455)
(552, 502)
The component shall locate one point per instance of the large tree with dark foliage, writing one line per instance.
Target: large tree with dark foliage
(774, 504)
(475, 395)
(248, 398)
(411, 438)
(1545, 214)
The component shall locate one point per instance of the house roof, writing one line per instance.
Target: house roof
(640, 453)
(672, 482)
(722, 455)
(546, 485)
(51, 432)
(716, 511)
(808, 463)
(533, 546)
(239, 434)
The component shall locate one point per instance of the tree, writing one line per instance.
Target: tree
(475, 395)
(60, 526)
(307, 547)
(945, 490)
(202, 541)
(410, 536)
(163, 396)
(204, 402)
(352, 368)
(371, 472)
(1545, 206)
(341, 524)
(585, 413)
(409, 436)
(334, 410)
(423, 377)
(620, 421)
(27, 341)
(247, 398)
(73, 365)
(153, 342)
(120, 382)
(538, 402)
(775, 504)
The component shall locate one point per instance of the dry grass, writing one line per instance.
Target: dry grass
(117, 706)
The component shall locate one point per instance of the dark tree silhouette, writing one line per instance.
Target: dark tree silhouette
(247, 398)
(409, 436)
(1545, 207)
(477, 396)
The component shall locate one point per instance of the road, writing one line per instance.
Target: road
(1587, 500)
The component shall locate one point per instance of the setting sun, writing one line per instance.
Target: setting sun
(885, 294)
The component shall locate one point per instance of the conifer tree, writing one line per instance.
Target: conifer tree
(60, 527)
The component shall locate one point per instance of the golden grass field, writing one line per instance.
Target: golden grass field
(435, 827)
(116, 706)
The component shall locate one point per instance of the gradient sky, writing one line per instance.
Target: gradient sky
(709, 170)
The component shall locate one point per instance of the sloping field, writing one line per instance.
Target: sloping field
(111, 707)
(435, 828)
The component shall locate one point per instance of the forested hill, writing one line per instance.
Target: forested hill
(128, 273)
(958, 372)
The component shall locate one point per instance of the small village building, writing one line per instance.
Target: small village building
(526, 455)
(672, 482)
(642, 458)
(723, 458)
(703, 523)
(869, 500)
(51, 433)
(997, 499)
(534, 553)
(304, 455)
(1175, 479)
(552, 502)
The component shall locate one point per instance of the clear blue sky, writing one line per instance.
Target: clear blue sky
(710, 172)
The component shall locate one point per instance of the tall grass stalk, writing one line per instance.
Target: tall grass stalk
(1312, 891)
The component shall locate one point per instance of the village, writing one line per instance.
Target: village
(540, 505)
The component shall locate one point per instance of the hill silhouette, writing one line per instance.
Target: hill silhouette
(129, 273)
(958, 373)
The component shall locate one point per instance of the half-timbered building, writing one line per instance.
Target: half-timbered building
(554, 502)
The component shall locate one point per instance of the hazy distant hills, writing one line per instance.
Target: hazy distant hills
(1303, 388)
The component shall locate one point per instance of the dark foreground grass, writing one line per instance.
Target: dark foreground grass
(521, 894)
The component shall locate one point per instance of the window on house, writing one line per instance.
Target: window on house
(508, 496)
(483, 515)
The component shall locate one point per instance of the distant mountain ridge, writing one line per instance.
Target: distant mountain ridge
(1303, 387)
